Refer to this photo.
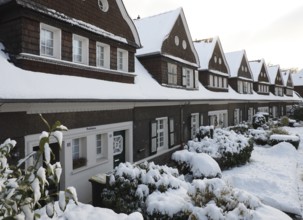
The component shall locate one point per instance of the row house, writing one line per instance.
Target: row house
(260, 76)
(125, 94)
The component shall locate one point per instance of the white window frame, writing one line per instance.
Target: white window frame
(162, 133)
(82, 148)
(215, 81)
(56, 45)
(171, 74)
(103, 62)
(218, 118)
(99, 146)
(250, 113)
(240, 86)
(211, 80)
(122, 60)
(194, 124)
(224, 83)
(84, 49)
(188, 78)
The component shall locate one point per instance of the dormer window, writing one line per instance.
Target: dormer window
(172, 74)
(80, 49)
(122, 60)
(50, 41)
(102, 55)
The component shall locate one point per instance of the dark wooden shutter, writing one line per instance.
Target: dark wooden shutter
(153, 137)
(171, 126)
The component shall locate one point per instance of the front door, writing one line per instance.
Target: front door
(119, 147)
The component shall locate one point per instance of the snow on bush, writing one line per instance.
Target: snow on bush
(227, 147)
(278, 138)
(199, 165)
(160, 192)
(260, 136)
(24, 190)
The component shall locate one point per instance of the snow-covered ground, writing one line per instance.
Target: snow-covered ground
(272, 175)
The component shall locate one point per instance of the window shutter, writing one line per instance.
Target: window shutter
(196, 79)
(171, 132)
(184, 81)
(153, 136)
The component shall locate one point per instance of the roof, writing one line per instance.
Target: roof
(297, 78)
(234, 60)
(161, 26)
(286, 75)
(18, 85)
(205, 49)
(273, 72)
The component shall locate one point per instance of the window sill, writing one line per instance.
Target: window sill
(99, 162)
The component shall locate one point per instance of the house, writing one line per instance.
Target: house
(70, 41)
(241, 79)
(118, 104)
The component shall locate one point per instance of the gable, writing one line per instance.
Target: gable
(217, 60)
(114, 20)
(289, 82)
(244, 69)
(263, 76)
(279, 80)
(177, 43)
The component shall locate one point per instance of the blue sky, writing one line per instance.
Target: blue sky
(269, 29)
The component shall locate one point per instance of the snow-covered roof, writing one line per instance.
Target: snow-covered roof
(205, 49)
(18, 85)
(297, 78)
(273, 72)
(234, 60)
(286, 75)
(161, 26)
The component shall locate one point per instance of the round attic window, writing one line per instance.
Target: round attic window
(103, 5)
(184, 44)
(177, 41)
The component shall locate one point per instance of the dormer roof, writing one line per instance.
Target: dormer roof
(205, 49)
(234, 60)
(273, 72)
(287, 77)
(256, 68)
(154, 30)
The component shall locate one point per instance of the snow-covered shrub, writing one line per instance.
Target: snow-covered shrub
(227, 148)
(259, 120)
(298, 113)
(284, 121)
(22, 191)
(199, 165)
(130, 185)
(239, 129)
(278, 131)
(278, 138)
(205, 131)
(259, 136)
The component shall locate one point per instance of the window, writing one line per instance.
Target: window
(188, 78)
(250, 113)
(194, 124)
(215, 81)
(211, 80)
(218, 118)
(50, 41)
(80, 49)
(237, 116)
(240, 86)
(102, 55)
(122, 60)
(172, 73)
(224, 82)
(162, 134)
(98, 146)
(79, 152)
(245, 87)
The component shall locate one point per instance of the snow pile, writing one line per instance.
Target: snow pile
(281, 137)
(271, 176)
(200, 165)
(86, 211)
